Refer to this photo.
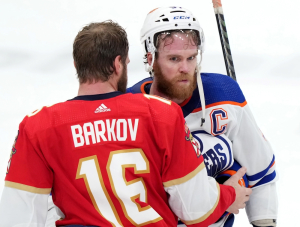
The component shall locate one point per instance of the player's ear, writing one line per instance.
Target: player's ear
(74, 64)
(149, 58)
(118, 65)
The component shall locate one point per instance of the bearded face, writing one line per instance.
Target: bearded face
(178, 87)
(175, 66)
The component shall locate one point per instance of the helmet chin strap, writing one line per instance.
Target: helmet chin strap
(200, 89)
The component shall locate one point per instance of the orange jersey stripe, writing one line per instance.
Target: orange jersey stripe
(221, 103)
(272, 164)
(143, 85)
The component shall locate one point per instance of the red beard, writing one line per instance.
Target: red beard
(171, 88)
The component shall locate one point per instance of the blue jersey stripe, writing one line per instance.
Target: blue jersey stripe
(261, 174)
(266, 179)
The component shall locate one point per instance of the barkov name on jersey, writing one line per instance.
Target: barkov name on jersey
(104, 130)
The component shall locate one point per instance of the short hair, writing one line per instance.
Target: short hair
(95, 48)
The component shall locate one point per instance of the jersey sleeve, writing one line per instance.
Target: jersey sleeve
(194, 197)
(22, 208)
(28, 181)
(252, 150)
(263, 203)
(28, 170)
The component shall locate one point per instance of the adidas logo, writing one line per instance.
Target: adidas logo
(102, 108)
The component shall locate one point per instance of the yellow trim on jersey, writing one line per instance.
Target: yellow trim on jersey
(186, 177)
(207, 214)
(158, 98)
(27, 188)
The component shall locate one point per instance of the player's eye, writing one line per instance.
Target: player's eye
(191, 58)
(174, 58)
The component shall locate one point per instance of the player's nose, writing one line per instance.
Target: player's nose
(184, 67)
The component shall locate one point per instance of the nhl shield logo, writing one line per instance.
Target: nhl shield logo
(13, 151)
(189, 136)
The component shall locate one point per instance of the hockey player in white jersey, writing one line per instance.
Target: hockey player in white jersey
(213, 105)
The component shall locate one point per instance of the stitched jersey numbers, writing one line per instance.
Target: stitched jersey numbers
(127, 192)
(89, 170)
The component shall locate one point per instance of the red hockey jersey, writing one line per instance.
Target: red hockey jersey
(113, 160)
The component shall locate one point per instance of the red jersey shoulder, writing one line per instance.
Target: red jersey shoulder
(40, 119)
(161, 108)
(62, 113)
(74, 111)
(68, 112)
(151, 102)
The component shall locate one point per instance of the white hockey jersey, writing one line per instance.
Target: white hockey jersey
(230, 134)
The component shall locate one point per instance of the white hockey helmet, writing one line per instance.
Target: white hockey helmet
(166, 19)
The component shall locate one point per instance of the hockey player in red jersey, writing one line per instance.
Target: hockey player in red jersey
(109, 158)
(213, 105)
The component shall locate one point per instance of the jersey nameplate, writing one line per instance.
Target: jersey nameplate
(104, 130)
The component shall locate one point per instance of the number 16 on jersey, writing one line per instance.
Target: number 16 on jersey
(125, 191)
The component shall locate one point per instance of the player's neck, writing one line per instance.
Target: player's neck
(155, 91)
(96, 88)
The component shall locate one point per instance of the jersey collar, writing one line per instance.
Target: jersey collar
(97, 97)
